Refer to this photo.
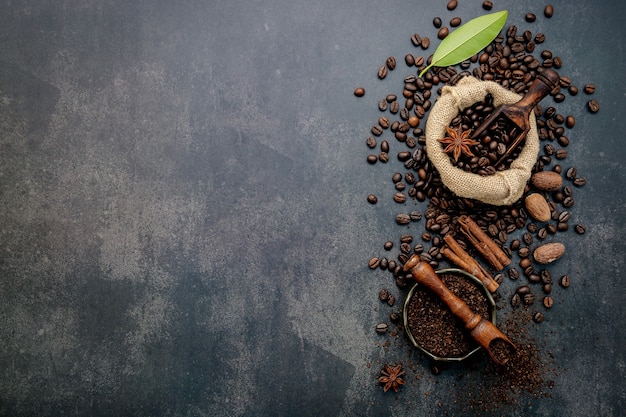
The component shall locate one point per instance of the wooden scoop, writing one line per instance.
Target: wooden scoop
(483, 331)
(518, 114)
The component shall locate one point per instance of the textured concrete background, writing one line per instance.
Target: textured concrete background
(183, 226)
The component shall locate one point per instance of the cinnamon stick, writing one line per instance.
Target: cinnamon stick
(457, 255)
(483, 243)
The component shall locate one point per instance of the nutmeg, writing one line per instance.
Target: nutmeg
(546, 181)
(537, 207)
(549, 252)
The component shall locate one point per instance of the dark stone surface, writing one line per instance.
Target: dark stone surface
(183, 222)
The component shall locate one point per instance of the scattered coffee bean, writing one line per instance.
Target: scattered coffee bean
(383, 157)
(570, 121)
(391, 63)
(437, 22)
(416, 40)
(409, 60)
(538, 317)
(593, 106)
(579, 181)
(548, 302)
(425, 42)
(530, 17)
(391, 300)
(382, 72)
(403, 218)
(487, 5)
(516, 300)
(372, 159)
(580, 229)
(399, 197)
(372, 199)
(359, 92)
(565, 281)
(374, 263)
(381, 328)
(455, 21)
(589, 88)
(383, 295)
(452, 4)
(443, 32)
(548, 11)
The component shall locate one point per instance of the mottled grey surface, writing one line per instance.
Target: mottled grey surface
(183, 226)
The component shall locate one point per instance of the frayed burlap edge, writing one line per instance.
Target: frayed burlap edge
(501, 188)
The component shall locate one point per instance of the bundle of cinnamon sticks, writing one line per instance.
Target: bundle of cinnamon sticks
(483, 244)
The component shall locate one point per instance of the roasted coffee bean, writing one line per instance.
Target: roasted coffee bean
(390, 98)
(377, 130)
(437, 22)
(542, 233)
(381, 328)
(530, 17)
(418, 249)
(572, 89)
(452, 4)
(516, 300)
(527, 237)
(394, 107)
(498, 278)
(415, 215)
(538, 317)
(372, 199)
(455, 21)
(409, 60)
(570, 121)
(425, 42)
(382, 72)
(416, 40)
(589, 88)
(374, 263)
(384, 146)
(391, 300)
(382, 104)
(443, 32)
(548, 302)
(372, 159)
(405, 248)
(392, 265)
(593, 106)
(523, 290)
(383, 295)
(546, 276)
(388, 245)
(394, 316)
(399, 197)
(571, 173)
(487, 5)
(540, 38)
(525, 263)
(568, 202)
(524, 252)
(404, 155)
(396, 177)
(371, 142)
(391, 63)
(383, 157)
(528, 298)
(384, 122)
(561, 153)
(548, 11)
(403, 218)
(565, 281)
(359, 92)
(384, 263)
(406, 239)
(580, 229)
(400, 186)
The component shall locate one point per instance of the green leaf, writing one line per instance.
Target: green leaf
(467, 40)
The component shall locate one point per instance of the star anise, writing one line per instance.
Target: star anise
(458, 142)
(390, 376)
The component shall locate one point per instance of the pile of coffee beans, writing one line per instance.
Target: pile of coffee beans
(512, 60)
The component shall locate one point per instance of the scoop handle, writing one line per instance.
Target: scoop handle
(424, 274)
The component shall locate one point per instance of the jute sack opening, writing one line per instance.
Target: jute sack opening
(503, 187)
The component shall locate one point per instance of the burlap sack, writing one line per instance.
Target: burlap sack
(501, 188)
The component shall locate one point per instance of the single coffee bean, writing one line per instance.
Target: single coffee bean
(381, 328)
(383, 295)
(425, 42)
(384, 263)
(487, 5)
(528, 298)
(390, 98)
(589, 88)
(452, 4)
(437, 22)
(394, 107)
(397, 177)
(394, 316)
(371, 142)
(593, 106)
(579, 181)
(399, 197)
(580, 229)
(384, 122)
(384, 146)
(403, 218)
(377, 130)
(388, 245)
(391, 63)
(568, 202)
(570, 174)
(530, 17)
(561, 154)
(415, 215)
(383, 157)
(540, 38)
(538, 317)
(372, 199)
(548, 302)
(391, 300)
(382, 105)
(523, 290)
(409, 60)
(573, 90)
(404, 155)
(416, 39)
(548, 11)
(570, 121)
(443, 32)
(372, 159)
(359, 92)
(382, 72)
(513, 273)
(516, 300)
(455, 21)
(374, 263)
(565, 281)
(546, 276)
